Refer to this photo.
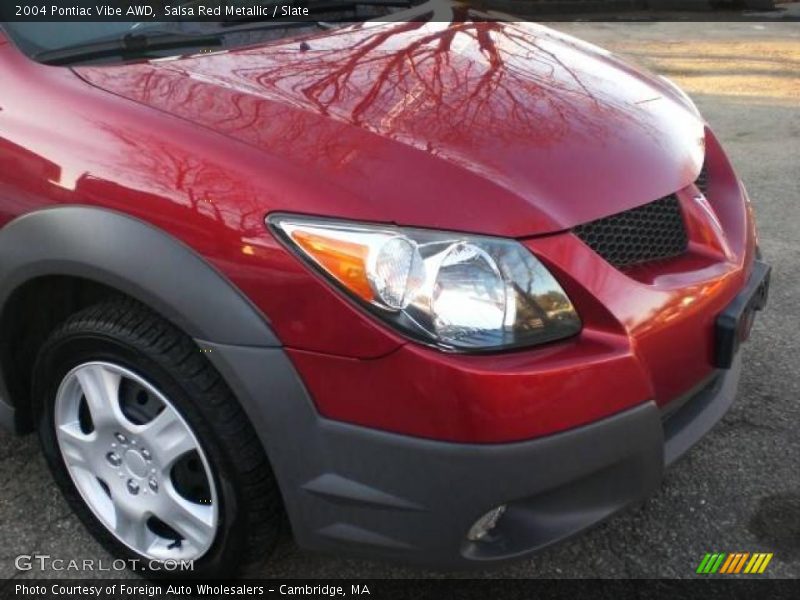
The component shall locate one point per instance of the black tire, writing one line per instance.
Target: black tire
(128, 334)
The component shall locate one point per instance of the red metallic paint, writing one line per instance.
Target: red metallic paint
(205, 189)
(494, 128)
(526, 131)
(511, 396)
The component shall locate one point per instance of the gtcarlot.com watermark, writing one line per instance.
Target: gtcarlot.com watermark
(45, 562)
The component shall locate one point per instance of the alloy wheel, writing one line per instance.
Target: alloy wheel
(136, 462)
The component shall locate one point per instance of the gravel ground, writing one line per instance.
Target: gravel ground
(739, 489)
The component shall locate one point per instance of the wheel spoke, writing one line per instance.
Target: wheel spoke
(194, 522)
(168, 437)
(78, 449)
(131, 525)
(101, 389)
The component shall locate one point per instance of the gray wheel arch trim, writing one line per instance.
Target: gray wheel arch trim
(136, 258)
(132, 256)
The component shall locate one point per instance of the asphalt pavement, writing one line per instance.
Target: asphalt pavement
(737, 490)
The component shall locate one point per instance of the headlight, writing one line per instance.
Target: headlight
(455, 291)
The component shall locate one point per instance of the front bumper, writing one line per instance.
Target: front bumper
(359, 491)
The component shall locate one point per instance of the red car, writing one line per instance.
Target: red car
(442, 292)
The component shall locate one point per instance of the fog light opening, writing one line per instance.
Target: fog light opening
(484, 526)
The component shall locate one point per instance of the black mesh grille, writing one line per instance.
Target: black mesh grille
(651, 232)
(702, 180)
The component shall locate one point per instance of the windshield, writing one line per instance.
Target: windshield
(115, 41)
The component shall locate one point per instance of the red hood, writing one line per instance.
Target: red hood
(502, 128)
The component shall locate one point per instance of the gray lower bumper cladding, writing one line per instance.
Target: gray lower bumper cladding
(363, 492)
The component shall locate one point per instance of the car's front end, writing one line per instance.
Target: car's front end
(505, 275)
(533, 395)
(464, 452)
(543, 271)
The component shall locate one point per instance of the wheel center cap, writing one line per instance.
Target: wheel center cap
(136, 463)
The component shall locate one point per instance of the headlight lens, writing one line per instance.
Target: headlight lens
(455, 291)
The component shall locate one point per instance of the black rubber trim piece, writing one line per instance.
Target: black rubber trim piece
(733, 324)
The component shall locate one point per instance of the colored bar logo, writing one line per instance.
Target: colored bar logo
(734, 563)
